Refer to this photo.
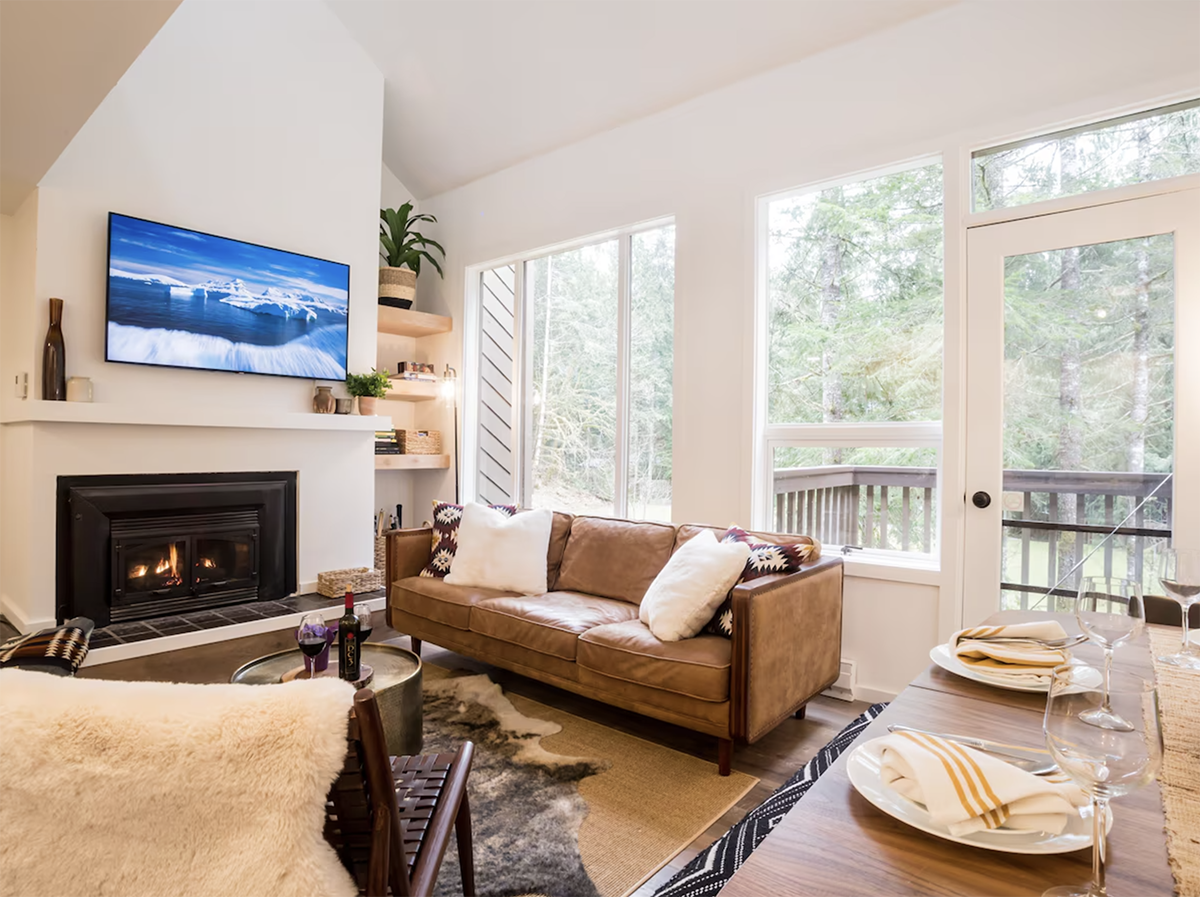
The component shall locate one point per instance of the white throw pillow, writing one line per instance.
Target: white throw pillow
(500, 552)
(688, 591)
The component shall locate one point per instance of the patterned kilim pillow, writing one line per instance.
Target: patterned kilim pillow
(765, 558)
(59, 650)
(446, 518)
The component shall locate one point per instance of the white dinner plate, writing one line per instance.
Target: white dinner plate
(863, 768)
(944, 657)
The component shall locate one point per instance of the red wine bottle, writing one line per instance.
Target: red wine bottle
(348, 642)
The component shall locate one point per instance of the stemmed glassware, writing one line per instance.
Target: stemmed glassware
(362, 610)
(1110, 612)
(1179, 573)
(1104, 762)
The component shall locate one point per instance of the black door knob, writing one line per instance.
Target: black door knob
(981, 499)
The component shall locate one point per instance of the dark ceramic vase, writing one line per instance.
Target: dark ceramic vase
(54, 357)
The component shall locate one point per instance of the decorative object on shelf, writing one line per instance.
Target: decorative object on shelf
(332, 584)
(54, 357)
(419, 442)
(323, 401)
(343, 406)
(450, 390)
(79, 389)
(402, 248)
(367, 388)
(416, 370)
(385, 443)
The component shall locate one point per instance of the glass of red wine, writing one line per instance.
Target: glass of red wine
(363, 611)
(311, 636)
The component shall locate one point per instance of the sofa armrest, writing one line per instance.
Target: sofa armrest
(408, 551)
(787, 641)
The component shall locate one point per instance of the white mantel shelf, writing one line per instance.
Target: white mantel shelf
(17, 411)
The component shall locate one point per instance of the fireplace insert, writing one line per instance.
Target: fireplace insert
(137, 547)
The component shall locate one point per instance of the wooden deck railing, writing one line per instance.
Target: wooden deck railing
(1052, 518)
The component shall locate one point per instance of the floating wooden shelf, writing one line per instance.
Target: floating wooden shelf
(412, 462)
(406, 322)
(413, 390)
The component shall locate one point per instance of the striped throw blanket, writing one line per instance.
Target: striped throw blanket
(61, 649)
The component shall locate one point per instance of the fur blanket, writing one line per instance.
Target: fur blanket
(150, 788)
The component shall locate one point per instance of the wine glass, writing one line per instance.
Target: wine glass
(311, 637)
(1179, 573)
(1110, 612)
(362, 610)
(1104, 762)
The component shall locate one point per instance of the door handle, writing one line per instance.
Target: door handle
(981, 499)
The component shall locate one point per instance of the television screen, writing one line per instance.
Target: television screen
(180, 298)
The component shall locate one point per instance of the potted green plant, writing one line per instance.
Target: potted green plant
(368, 388)
(402, 248)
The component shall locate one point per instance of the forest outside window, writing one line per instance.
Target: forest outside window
(574, 397)
(853, 331)
(1133, 149)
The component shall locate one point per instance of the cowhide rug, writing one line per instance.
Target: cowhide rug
(525, 803)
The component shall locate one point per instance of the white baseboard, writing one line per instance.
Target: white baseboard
(873, 695)
(23, 624)
(166, 643)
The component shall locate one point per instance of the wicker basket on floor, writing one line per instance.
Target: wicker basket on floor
(419, 442)
(333, 583)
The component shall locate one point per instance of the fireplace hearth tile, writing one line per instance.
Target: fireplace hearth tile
(141, 630)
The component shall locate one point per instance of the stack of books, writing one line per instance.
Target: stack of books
(416, 370)
(385, 443)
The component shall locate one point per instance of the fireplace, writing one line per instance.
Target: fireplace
(137, 547)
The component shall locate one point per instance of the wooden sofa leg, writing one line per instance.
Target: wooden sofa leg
(799, 714)
(724, 756)
(416, 645)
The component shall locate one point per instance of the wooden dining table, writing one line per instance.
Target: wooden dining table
(836, 842)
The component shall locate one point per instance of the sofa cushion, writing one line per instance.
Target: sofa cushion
(549, 623)
(614, 558)
(437, 600)
(560, 529)
(446, 518)
(499, 551)
(697, 667)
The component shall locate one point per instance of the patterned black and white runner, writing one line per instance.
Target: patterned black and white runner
(707, 873)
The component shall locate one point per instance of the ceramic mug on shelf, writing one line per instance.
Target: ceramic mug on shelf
(79, 389)
(344, 406)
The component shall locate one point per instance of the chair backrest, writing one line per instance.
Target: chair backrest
(362, 821)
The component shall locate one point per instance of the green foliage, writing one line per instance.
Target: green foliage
(400, 245)
(855, 292)
(373, 384)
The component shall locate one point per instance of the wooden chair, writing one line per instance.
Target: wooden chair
(397, 842)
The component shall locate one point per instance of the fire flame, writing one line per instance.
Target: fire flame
(207, 562)
(169, 564)
(139, 571)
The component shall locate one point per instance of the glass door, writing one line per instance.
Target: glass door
(1080, 418)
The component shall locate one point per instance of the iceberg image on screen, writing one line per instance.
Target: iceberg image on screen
(181, 298)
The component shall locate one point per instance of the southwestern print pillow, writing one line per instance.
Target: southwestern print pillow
(765, 558)
(446, 518)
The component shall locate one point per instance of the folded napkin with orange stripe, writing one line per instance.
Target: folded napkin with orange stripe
(969, 791)
(1011, 653)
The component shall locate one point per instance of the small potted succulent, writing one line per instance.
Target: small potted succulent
(402, 248)
(368, 388)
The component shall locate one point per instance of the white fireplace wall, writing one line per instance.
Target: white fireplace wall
(256, 120)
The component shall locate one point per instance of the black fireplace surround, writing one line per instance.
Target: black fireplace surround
(134, 547)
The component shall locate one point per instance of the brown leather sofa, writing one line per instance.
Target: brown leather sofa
(584, 634)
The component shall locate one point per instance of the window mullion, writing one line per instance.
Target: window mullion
(624, 283)
(523, 393)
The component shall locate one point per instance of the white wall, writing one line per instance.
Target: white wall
(255, 120)
(972, 75)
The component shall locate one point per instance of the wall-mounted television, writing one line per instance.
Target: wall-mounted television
(181, 298)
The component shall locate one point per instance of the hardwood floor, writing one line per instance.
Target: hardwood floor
(772, 760)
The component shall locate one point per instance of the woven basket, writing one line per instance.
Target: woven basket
(397, 283)
(333, 583)
(381, 553)
(419, 442)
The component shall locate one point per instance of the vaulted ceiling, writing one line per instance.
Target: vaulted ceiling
(471, 86)
(58, 60)
(474, 86)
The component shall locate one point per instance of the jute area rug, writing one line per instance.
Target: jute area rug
(561, 805)
(1179, 780)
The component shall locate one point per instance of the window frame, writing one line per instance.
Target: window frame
(842, 434)
(523, 317)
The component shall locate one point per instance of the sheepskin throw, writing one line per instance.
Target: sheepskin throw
(152, 788)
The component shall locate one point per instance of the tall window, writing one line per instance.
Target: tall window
(853, 379)
(575, 351)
